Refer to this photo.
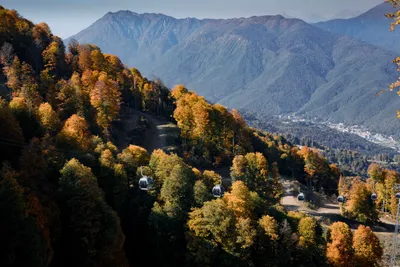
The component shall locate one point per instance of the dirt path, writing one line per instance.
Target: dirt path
(289, 200)
(159, 134)
(156, 135)
(330, 212)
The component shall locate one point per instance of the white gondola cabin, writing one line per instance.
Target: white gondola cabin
(340, 199)
(300, 197)
(218, 191)
(374, 197)
(145, 183)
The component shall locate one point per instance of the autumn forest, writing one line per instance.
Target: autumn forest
(70, 195)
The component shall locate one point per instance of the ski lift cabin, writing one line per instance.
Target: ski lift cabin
(397, 195)
(340, 199)
(300, 197)
(145, 183)
(374, 197)
(218, 191)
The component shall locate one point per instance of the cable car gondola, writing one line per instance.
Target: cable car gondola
(374, 197)
(340, 199)
(218, 191)
(300, 197)
(397, 195)
(145, 183)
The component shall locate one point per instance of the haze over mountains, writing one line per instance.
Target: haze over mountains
(371, 27)
(269, 64)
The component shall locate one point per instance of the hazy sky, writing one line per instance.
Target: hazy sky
(67, 17)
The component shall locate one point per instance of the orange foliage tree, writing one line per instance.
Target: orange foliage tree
(367, 247)
(339, 251)
(75, 133)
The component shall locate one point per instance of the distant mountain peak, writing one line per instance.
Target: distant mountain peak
(378, 11)
(268, 64)
(370, 27)
(381, 8)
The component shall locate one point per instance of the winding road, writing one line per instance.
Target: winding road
(329, 212)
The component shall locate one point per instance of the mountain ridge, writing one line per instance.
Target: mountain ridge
(370, 27)
(268, 64)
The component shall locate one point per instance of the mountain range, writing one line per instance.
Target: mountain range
(371, 27)
(268, 64)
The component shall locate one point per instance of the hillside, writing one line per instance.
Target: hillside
(269, 65)
(370, 27)
(76, 177)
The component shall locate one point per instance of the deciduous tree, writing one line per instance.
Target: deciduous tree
(92, 231)
(105, 97)
(367, 247)
(48, 118)
(339, 250)
(74, 134)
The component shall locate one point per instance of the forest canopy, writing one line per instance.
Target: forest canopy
(67, 188)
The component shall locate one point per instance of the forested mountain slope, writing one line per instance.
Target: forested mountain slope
(269, 64)
(67, 189)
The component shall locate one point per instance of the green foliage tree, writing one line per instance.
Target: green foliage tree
(92, 231)
(112, 179)
(170, 212)
(202, 193)
(21, 242)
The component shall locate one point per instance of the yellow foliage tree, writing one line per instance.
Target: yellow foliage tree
(307, 231)
(133, 157)
(48, 117)
(367, 247)
(270, 227)
(105, 97)
(360, 205)
(239, 200)
(75, 133)
(211, 178)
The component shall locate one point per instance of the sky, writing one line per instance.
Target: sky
(68, 17)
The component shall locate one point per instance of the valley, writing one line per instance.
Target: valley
(376, 138)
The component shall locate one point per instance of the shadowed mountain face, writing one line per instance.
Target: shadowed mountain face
(371, 27)
(269, 64)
